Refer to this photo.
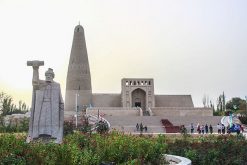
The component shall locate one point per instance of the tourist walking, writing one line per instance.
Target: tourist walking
(141, 127)
(223, 128)
(191, 128)
(198, 128)
(146, 128)
(137, 127)
(219, 128)
(183, 130)
(202, 129)
(206, 128)
(210, 128)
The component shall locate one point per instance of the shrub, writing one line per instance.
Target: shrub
(80, 148)
(243, 119)
(102, 127)
(10, 128)
(226, 149)
(68, 127)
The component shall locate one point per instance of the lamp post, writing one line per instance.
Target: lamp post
(76, 110)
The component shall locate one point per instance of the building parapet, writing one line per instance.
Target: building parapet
(181, 108)
(137, 81)
(181, 111)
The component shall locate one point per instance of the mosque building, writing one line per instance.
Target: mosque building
(136, 92)
(137, 96)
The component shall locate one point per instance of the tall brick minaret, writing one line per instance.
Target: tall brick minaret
(78, 76)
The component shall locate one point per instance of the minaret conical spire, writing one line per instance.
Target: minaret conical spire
(78, 76)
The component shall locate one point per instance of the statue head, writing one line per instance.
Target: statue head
(49, 75)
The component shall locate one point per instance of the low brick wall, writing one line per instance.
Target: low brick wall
(181, 111)
(113, 111)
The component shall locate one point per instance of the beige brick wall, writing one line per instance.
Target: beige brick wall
(106, 100)
(173, 101)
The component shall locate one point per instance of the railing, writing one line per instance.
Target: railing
(150, 111)
(140, 110)
(182, 108)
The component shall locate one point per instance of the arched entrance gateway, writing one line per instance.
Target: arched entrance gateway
(137, 92)
(139, 98)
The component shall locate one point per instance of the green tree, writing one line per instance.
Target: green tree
(7, 107)
(6, 104)
(221, 103)
(224, 101)
(236, 103)
(22, 108)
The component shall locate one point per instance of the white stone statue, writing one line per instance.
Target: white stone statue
(47, 111)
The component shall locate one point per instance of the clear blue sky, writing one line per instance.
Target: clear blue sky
(188, 47)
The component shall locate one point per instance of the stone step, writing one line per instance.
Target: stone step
(153, 122)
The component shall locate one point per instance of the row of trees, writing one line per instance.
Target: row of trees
(221, 102)
(235, 104)
(7, 107)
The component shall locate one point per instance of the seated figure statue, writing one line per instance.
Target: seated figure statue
(47, 112)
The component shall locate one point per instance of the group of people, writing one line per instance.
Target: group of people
(234, 128)
(141, 128)
(205, 129)
(202, 129)
(221, 128)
